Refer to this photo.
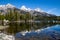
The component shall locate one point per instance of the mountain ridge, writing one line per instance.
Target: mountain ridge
(37, 11)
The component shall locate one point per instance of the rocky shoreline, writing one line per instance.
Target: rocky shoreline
(6, 37)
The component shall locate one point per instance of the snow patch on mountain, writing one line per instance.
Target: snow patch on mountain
(3, 7)
(29, 9)
(23, 8)
(38, 10)
(9, 5)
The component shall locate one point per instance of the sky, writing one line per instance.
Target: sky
(49, 6)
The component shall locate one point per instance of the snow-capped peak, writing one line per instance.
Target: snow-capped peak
(29, 9)
(38, 9)
(23, 8)
(9, 5)
(3, 7)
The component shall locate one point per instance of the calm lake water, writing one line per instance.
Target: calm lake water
(34, 31)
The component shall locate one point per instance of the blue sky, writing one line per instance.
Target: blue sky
(50, 6)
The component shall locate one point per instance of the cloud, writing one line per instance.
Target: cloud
(51, 10)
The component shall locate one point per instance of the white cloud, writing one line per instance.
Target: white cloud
(51, 10)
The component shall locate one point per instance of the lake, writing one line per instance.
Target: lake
(33, 31)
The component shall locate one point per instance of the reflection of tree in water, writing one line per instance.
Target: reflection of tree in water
(18, 27)
(43, 25)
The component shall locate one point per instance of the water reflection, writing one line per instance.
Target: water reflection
(19, 27)
(34, 31)
(49, 33)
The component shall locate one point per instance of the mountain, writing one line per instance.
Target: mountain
(3, 7)
(23, 9)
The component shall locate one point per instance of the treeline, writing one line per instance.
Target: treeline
(46, 18)
(15, 16)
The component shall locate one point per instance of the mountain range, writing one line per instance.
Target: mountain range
(23, 9)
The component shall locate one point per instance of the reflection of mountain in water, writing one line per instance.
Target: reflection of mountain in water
(52, 33)
(35, 31)
(18, 27)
